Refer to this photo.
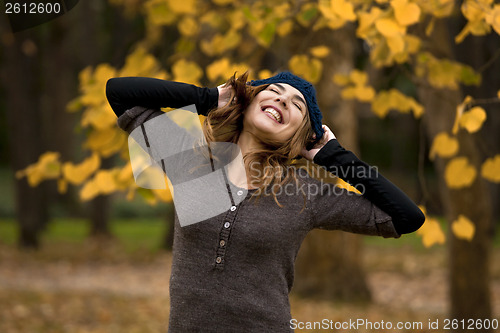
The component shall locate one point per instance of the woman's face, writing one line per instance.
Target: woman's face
(275, 113)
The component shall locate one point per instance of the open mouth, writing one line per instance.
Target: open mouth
(273, 113)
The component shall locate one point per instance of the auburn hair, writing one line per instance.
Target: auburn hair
(275, 162)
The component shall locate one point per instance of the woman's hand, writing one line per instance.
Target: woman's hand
(327, 136)
(224, 95)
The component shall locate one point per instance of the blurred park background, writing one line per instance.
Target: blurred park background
(411, 86)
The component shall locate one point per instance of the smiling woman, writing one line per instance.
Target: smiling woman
(233, 272)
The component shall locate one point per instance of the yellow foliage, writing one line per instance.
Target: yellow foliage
(443, 145)
(224, 69)
(48, 166)
(320, 51)
(473, 119)
(93, 85)
(163, 195)
(105, 182)
(284, 28)
(219, 44)
(437, 8)
(343, 184)
(385, 101)
(366, 22)
(141, 63)
(62, 185)
(444, 73)
(490, 169)
(308, 68)
(106, 142)
(264, 74)
(406, 13)
(431, 231)
(388, 27)
(223, 2)
(463, 228)
(337, 12)
(357, 88)
(187, 71)
(188, 26)
(100, 117)
(89, 191)
(459, 173)
(78, 173)
(183, 7)
(459, 111)
(493, 18)
(159, 13)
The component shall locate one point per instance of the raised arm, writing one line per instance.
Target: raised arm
(125, 93)
(406, 216)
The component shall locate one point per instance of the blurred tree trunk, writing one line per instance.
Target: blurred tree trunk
(21, 72)
(469, 274)
(329, 264)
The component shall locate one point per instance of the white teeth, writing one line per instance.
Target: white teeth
(276, 115)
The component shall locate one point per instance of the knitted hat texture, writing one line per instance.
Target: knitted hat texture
(307, 90)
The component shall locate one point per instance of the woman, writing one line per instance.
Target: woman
(233, 272)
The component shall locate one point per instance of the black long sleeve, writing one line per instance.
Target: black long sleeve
(126, 92)
(406, 216)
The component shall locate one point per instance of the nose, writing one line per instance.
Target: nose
(282, 99)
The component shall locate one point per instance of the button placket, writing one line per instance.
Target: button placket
(224, 234)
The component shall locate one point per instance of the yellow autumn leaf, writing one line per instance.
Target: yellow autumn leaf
(459, 173)
(473, 119)
(320, 51)
(431, 232)
(307, 68)
(187, 71)
(443, 145)
(343, 184)
(106, 142)
(105, 182)
(100, 117)
(62, 185)
(459, 111)
(264, 74)
(366, 21)
(406, 12)
(388, 27)
(89, 191)
(341, 79)
(164, 195)
(463, 228)
(396, 44)
(344, 9)
(392, 99)
(188, 26)
(140, 63)
(222, 2)
(78, 173)
(48, 166)
(490, 169)
(284, 28)
(217, 69)
(182, 7)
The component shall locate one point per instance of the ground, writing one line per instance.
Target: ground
(96, 288)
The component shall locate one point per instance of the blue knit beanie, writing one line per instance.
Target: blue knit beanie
(307, 90)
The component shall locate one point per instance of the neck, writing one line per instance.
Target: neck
(247, 144)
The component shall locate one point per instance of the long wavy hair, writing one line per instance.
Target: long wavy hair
(274, 164)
